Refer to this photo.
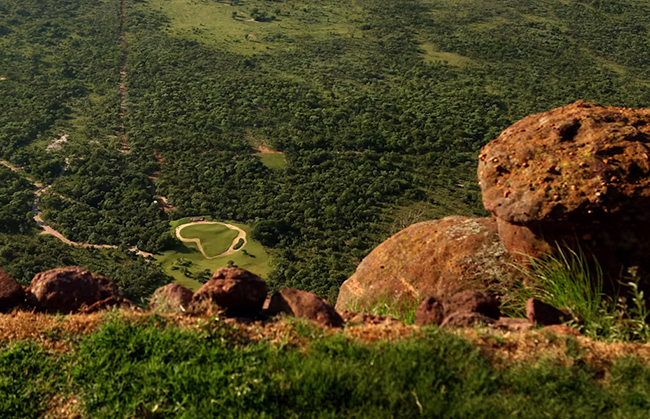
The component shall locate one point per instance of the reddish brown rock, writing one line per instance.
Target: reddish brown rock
(438, 258)
(172, 298)
(472, 301)
(11, 292)
(305, 305)
(577, 172)
(239, 292)
(540, 313)
(461, 319)
(107, 288)
(429, 311)
(67, 289)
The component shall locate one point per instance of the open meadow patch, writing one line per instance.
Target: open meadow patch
(272, 160)
(190, 267)
(212, 238)
(255, 26)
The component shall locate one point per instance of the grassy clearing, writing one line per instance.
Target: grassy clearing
(272, 160)
(230, 24)
(432, 54)
(149, 367)
(215, 238)
(191, 266)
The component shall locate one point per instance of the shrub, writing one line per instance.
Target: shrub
(566, 280)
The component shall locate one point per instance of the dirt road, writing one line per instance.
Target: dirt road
(36, 214)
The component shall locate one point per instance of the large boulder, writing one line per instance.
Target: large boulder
(68, 289)
(305, 305)
(578, 175)
(172, 298)
(11, 293)
(438, 258)
(237, 291)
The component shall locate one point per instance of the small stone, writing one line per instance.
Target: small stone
(430, 311)
(239, 292)
(172, 298)
(473, 301)
(66, 290)
(305, 305)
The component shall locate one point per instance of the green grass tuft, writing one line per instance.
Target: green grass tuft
(571, 279)
(403, 309)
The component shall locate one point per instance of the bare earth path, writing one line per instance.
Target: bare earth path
(125, 52)
(36, 214)
(230, 251)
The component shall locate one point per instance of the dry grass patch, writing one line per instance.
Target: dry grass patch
(507, 349)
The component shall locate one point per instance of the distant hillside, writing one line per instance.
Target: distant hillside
(379, 108)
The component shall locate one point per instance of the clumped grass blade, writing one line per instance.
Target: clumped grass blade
(569, 279)
(565, 280)
(402, 309)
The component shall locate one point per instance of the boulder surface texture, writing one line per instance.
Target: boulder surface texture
(67, 289)
(576, 175)
(439, 257)
(305, 305)
(11, 293)
(239, 292)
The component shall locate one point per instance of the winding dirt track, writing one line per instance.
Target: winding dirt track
(125, 52)
(231, 249)
(36, 214)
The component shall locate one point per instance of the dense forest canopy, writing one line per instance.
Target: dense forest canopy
(379, 108)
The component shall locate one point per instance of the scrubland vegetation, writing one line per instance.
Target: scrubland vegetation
(379, 108)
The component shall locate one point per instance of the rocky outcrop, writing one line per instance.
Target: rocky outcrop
(68, 289)
(11, 293)
(437, 258)
(305, 305)
(237, 291)
(579, 174)
(171, 298)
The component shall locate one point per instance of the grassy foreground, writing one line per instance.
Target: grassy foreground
(127, 365)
